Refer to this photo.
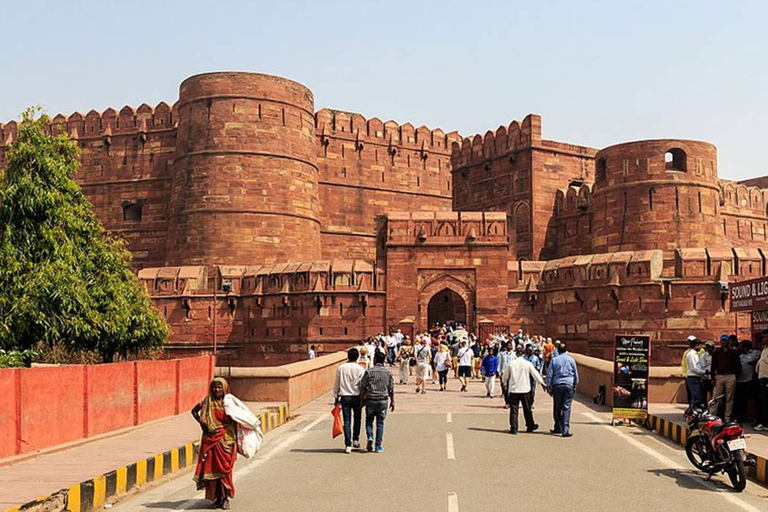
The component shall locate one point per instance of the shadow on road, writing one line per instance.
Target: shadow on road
(320, 450)
(197, 505)
(685, 478)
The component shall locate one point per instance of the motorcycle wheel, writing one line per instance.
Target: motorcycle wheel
(696, 450)
(737, 473)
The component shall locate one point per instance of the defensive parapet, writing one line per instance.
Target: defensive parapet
(656, 194)
(245, 177)
(447, 228)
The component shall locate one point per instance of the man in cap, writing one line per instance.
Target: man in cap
(518, 376)
(705, 362)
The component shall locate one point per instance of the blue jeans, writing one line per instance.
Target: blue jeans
(375, 409)
(563, 397)
(694, 387)
(391, 355)
(351, 405)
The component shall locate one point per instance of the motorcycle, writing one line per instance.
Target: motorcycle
(717, 447)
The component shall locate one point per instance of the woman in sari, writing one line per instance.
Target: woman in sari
(218, 446)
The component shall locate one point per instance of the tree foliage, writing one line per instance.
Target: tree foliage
(63, 279)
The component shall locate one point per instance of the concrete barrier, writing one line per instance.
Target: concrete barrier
(52, 405)
(295, 383)
(666, 385)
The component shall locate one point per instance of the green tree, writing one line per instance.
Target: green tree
(63, 279)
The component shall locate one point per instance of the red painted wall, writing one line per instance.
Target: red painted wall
(8, 412)
(52, 409)
(110, 397)
(47, 406)
(155, 389)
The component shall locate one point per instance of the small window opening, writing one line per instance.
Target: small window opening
(132, 212)
(601, 170)
(675, 160)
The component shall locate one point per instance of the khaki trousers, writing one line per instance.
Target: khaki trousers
(724, 385)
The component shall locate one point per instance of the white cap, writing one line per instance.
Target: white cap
(692, 337)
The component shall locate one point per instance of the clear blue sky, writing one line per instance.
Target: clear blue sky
(599, 72)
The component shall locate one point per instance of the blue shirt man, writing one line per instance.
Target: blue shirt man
(537, 363)
(562, 380)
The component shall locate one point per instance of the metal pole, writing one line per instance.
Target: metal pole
(215, 304)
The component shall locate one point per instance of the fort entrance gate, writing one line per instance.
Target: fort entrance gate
(446, 305)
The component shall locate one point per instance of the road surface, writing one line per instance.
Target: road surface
(450, 451)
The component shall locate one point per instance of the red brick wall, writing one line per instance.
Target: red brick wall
(368, 168)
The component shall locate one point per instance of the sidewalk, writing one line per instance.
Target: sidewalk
(667, 420)
(36, 476)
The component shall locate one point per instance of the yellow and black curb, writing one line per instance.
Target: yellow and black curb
(93, 494)
(677, 433)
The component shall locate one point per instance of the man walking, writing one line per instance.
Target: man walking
(725, 367)
(562, 380)
(518, 376)
(537, 364)
(465, 356)
(346, 391)
(490, 367)
(377, 385)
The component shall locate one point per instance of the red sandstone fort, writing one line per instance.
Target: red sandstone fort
(265, 226)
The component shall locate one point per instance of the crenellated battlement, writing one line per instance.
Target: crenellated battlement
(94, 124)
(494, 145)
(739, 199)
(446, 228)
(354, 127)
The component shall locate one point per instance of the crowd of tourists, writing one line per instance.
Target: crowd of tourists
(516, 363)
(733, 369)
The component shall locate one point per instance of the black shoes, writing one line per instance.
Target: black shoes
(513, 432)
(369, 445)
(567, 434)
(554, 431)
(532, 428)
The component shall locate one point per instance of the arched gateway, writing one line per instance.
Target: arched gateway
(446, 305)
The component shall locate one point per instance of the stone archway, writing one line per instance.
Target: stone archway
(446, 305)
(458, 293)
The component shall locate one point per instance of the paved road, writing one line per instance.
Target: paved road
(601, 468)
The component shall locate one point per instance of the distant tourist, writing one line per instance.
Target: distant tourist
(726, 366)
(442, 362)
(518, 376)
(465, 356)
(404, 359)
(538, 364)
(562, 380)
(423, 355)
(377, 386)
(705, 362)
(490, 366)
(745, 381)
(346, 392)
(218, 446)
(312, 352)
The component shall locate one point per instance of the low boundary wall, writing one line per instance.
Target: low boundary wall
(52, 405)
(295, 383)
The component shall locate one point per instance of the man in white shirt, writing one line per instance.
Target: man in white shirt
(391, 348)
(518, 376)
(693, 374)
(346, 391)
(465, 356)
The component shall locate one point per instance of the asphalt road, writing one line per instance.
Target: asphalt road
(601, 468)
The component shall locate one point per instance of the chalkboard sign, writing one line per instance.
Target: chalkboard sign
(631, 366)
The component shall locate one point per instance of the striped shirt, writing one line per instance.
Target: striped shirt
(378, 383)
